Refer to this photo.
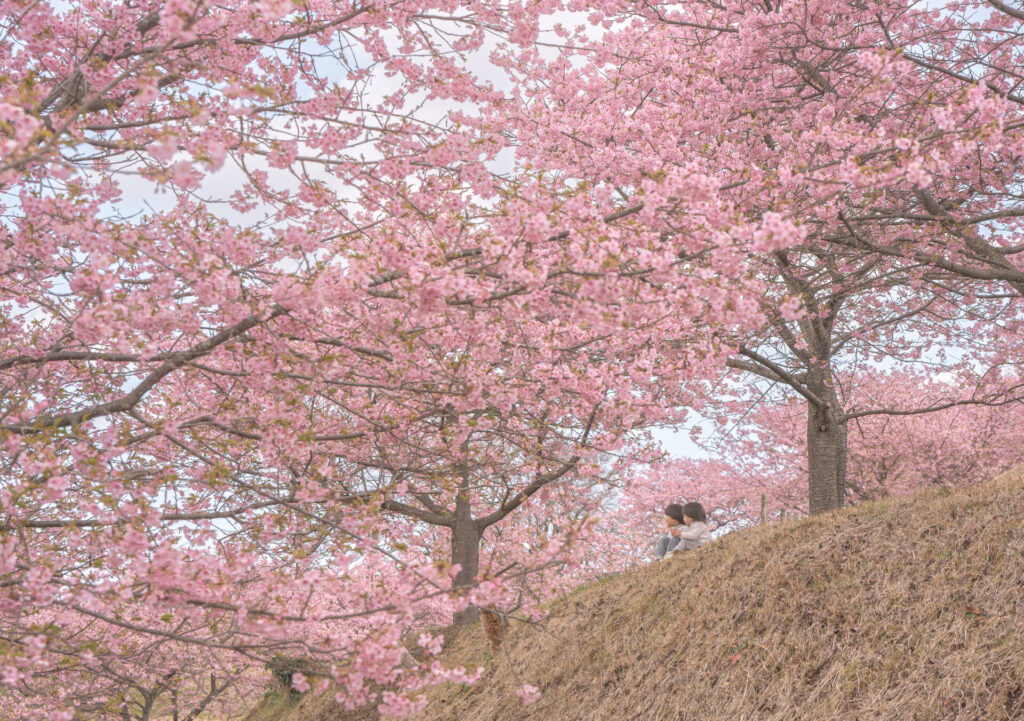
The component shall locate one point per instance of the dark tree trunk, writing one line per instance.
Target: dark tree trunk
(826, 449)
(841, 465)
(466, 552)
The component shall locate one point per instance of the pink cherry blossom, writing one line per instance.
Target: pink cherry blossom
(528, 693)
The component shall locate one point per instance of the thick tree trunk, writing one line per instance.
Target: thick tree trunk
(466, 552)
(826, 449)
(825, 458)
(841, 465)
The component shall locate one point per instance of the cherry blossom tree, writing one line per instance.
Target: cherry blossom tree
(760, 453)
(257, 294)
(819, 121)
(888, 453)
(965, 219)
(272, 281)
(833, 318)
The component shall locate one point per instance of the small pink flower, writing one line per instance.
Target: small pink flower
(299, 682)
(432, 644)
(57, 484)
(528, 693)
(182, 175)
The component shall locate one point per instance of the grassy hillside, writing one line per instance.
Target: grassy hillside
(280, 705)
(910, 609)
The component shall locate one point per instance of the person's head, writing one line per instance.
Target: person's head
(693, 511)
(674, 515)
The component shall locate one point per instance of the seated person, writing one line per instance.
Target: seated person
(694, 532)
(673, 520)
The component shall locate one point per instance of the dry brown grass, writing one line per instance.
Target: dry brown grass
(280, 705)
(909, 609)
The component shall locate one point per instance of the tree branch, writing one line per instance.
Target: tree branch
(518, 499)
(765, 373)
(129, 400)
(788, 378)
(404, 509)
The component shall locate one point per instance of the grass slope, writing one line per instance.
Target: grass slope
(280, 705)
(909, 609)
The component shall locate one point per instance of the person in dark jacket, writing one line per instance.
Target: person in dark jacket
(673, 520)
(694, 531)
